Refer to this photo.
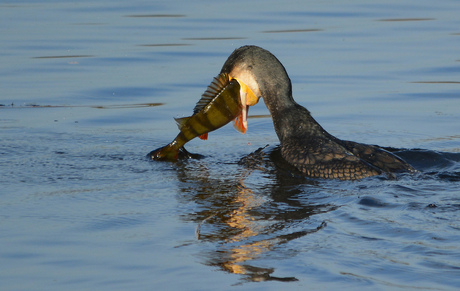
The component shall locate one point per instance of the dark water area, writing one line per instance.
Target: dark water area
(87, 89)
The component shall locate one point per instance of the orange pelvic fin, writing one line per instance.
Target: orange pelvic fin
(204, 136)
(238, 123)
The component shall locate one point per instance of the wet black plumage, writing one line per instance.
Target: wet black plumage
(304, 143)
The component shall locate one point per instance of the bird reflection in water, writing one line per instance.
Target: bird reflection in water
(246, 223)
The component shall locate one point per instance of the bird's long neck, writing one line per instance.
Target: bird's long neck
(267, 78)
(290, 119)
(293, 121)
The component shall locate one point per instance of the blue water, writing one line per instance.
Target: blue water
(87, 89)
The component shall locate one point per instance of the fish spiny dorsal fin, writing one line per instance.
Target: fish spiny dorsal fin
(217, 85)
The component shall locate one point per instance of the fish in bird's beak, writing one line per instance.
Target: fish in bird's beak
(225, 99)
(219, 104)
(248, 98)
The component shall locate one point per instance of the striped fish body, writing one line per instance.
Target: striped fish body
(220, 104)
(221, 109)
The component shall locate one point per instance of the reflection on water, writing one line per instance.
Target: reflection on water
(246, 222)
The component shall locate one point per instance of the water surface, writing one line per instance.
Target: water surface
(88, 89)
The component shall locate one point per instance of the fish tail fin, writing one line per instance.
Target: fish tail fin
(238, 123)
(204, 136)
(166, 153)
